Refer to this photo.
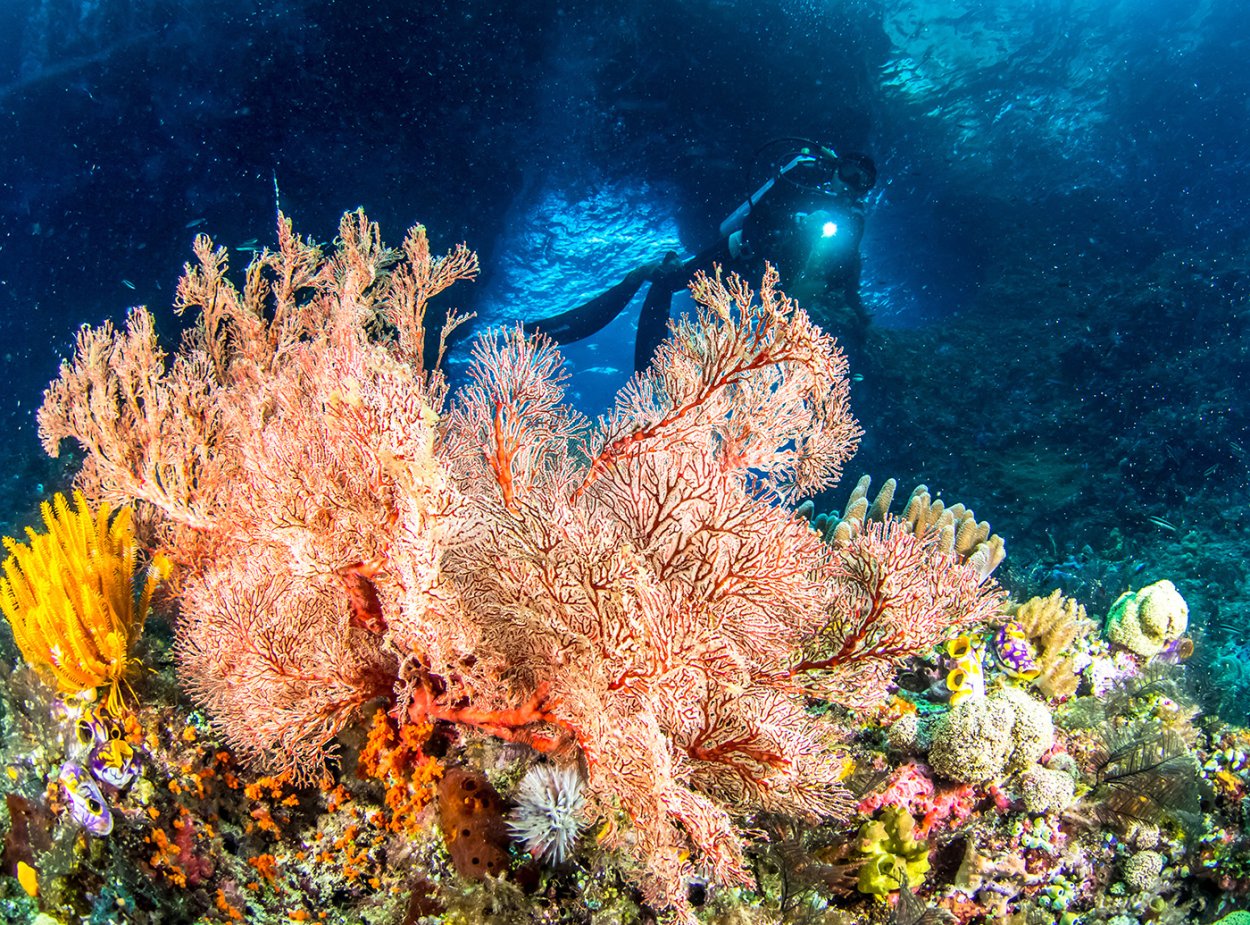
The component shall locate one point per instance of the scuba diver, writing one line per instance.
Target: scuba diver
(807, 220)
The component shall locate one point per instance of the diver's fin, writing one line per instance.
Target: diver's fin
(591, 317)
(672, 274)
(653, 320)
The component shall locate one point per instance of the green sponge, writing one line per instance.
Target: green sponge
(1234, 918)
(891, 853)
(1146, 621)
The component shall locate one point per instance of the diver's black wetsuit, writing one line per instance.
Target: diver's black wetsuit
(781, 222)
(666, 277)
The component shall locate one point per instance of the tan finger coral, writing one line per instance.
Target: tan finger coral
(961, 534)
(1053, 624)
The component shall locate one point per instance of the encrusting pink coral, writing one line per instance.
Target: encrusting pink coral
(641, 591)
(911, 788)
(907, 787)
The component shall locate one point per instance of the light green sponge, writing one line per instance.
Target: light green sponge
(1146, 621)
(891, 853)
(1234, 918)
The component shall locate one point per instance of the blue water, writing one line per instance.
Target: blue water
(1053, 144)
(1119, 125)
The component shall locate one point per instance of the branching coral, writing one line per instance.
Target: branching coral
(393, 755)
(70, 595)
(278, 456)
(647, 576)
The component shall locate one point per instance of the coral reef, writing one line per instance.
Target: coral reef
(614, 673)
(639, 594)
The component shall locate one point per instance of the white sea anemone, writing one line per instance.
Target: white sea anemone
(548, 814)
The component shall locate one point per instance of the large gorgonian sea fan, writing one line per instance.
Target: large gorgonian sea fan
(280, 457)
(651, 576)
(641, 592)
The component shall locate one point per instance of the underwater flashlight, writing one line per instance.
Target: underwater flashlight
(821, 227)
(825, 249)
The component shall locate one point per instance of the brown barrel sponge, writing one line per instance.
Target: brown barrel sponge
(470, 812)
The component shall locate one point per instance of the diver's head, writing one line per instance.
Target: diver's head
(809, 164)
(819, 171)
(857, 173)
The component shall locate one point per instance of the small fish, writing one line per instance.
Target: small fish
(195, 223)
(128, 284)
(86, 803)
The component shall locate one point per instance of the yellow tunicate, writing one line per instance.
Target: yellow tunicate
(28, 878)
(959, 647)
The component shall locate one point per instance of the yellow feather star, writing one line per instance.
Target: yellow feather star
(69, 595)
